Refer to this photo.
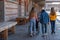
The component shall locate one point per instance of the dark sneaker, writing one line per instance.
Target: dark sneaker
(31, 35)
(54, 32)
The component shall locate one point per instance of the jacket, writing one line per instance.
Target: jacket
(52, 17)
(44, 17)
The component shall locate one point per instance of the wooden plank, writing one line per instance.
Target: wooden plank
(4, 28)
(6, 25)
(15, 2)
(11, 11)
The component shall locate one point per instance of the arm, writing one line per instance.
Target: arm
(48, 18)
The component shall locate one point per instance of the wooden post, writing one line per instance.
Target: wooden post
(13, 29)
(5, 34)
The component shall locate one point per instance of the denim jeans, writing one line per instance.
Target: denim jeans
(37, 25)
(32, 27)
(44, 28)
(52, 26)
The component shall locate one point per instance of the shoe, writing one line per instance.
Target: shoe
(31, 35)
(34, 34)
(54, 32)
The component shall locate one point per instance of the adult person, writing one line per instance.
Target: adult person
(32, 19)
(44, 20)
(52, 20)
(37, 21)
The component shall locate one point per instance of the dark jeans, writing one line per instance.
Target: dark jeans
(52, 26)
(44, 28)
(37, 25)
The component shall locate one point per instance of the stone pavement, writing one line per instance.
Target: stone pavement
(22, 31)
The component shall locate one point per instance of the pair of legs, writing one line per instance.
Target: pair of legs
(44, 28)
(37, 27)
(52, 26)
(32, 27)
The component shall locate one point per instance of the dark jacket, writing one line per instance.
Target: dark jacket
(44, 17)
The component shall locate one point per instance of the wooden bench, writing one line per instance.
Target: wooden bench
(21, 21)
(4, 28)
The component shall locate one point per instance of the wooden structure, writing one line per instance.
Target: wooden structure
(5, 27)
(8, 10)
(24, 9)
(21, 20)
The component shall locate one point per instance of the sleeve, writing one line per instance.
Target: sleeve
(39, 15)
(41, 18)
(48, 18)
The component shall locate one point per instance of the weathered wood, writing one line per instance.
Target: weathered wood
(5, 34)
(4, 28)
(21, 20)
(12, 29)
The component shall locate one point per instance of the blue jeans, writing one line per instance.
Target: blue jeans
(32, 27)
(52, 26)
(44, 28)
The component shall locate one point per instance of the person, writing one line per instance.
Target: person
(32, 19)
(37, 27)
(36, 11)
(52, 20)
(44, 20)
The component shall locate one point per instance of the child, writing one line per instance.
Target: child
(44, 20)
(52, 20)
(32, 19)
